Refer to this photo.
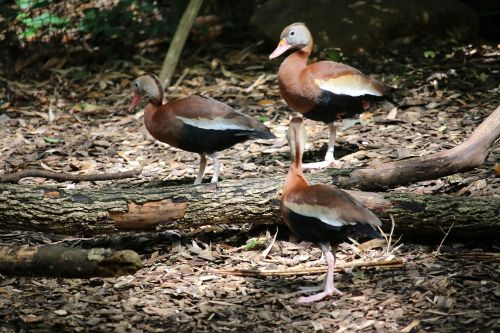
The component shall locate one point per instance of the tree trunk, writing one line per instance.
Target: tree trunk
(239, 201)
(177, 44)
(60, 261)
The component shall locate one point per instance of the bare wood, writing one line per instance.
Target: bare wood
(466, 156)
(60, 261)
(140, 216)
(385, 264)
(63, 176)
(177, 44)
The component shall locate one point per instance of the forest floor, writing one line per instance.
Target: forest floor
(64, 117)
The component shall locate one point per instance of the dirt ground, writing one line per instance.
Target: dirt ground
(74, 119)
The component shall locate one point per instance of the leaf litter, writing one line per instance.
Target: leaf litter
(70, 122)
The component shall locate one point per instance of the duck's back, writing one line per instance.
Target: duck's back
(204, 125)
(328, 91)
(322, 213)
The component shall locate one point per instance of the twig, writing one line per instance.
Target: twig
(479, 256)
(185, 72)
(62, 176)
(268, 249)
(261, 79)
(395, 263)
(390, 235)
(442, 241)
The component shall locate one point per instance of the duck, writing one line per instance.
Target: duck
(196, 123)
(325, 91)
(319, 213)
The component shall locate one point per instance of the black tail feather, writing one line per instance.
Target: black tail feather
(263, 134)
(367, 230)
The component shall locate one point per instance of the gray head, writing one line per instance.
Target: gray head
(294, 37)
(146, 86)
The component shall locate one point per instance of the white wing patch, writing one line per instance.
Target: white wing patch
(213, 124)
(351, 85)
(324, 214)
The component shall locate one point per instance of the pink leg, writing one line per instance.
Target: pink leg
(201, 171)
(329, 286)
(215, 177)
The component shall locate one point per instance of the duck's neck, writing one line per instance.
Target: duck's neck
(155, 91)
(154, 105)
(295, 177)
(294, 64)
(155, 96)
(294, 86)
(157, 100)
(158, 120)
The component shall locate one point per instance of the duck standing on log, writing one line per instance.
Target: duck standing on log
(323, 91)
(197, 124)
(321, 213)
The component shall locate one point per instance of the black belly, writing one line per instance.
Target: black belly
(329, 107)
(207, 141)
(313, 230)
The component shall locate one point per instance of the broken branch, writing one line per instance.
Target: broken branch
(466, 156)
(386, 264)
(63, 176)
(61, 261)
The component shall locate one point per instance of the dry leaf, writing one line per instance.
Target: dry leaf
(411, 326)
(372, 244)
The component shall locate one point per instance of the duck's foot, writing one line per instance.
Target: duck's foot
(322, 165)
(319, 296)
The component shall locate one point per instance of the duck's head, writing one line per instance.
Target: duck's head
(293, 38)
(146, 86)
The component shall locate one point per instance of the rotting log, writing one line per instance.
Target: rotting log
(78, 212)
(60, 261)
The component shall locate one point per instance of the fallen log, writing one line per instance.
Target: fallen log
(61, 261)
(79, 212)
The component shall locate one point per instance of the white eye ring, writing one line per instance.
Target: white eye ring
(136, 84)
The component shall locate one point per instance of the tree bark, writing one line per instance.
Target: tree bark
(60, 261)
(239, 201)
(177, 44)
